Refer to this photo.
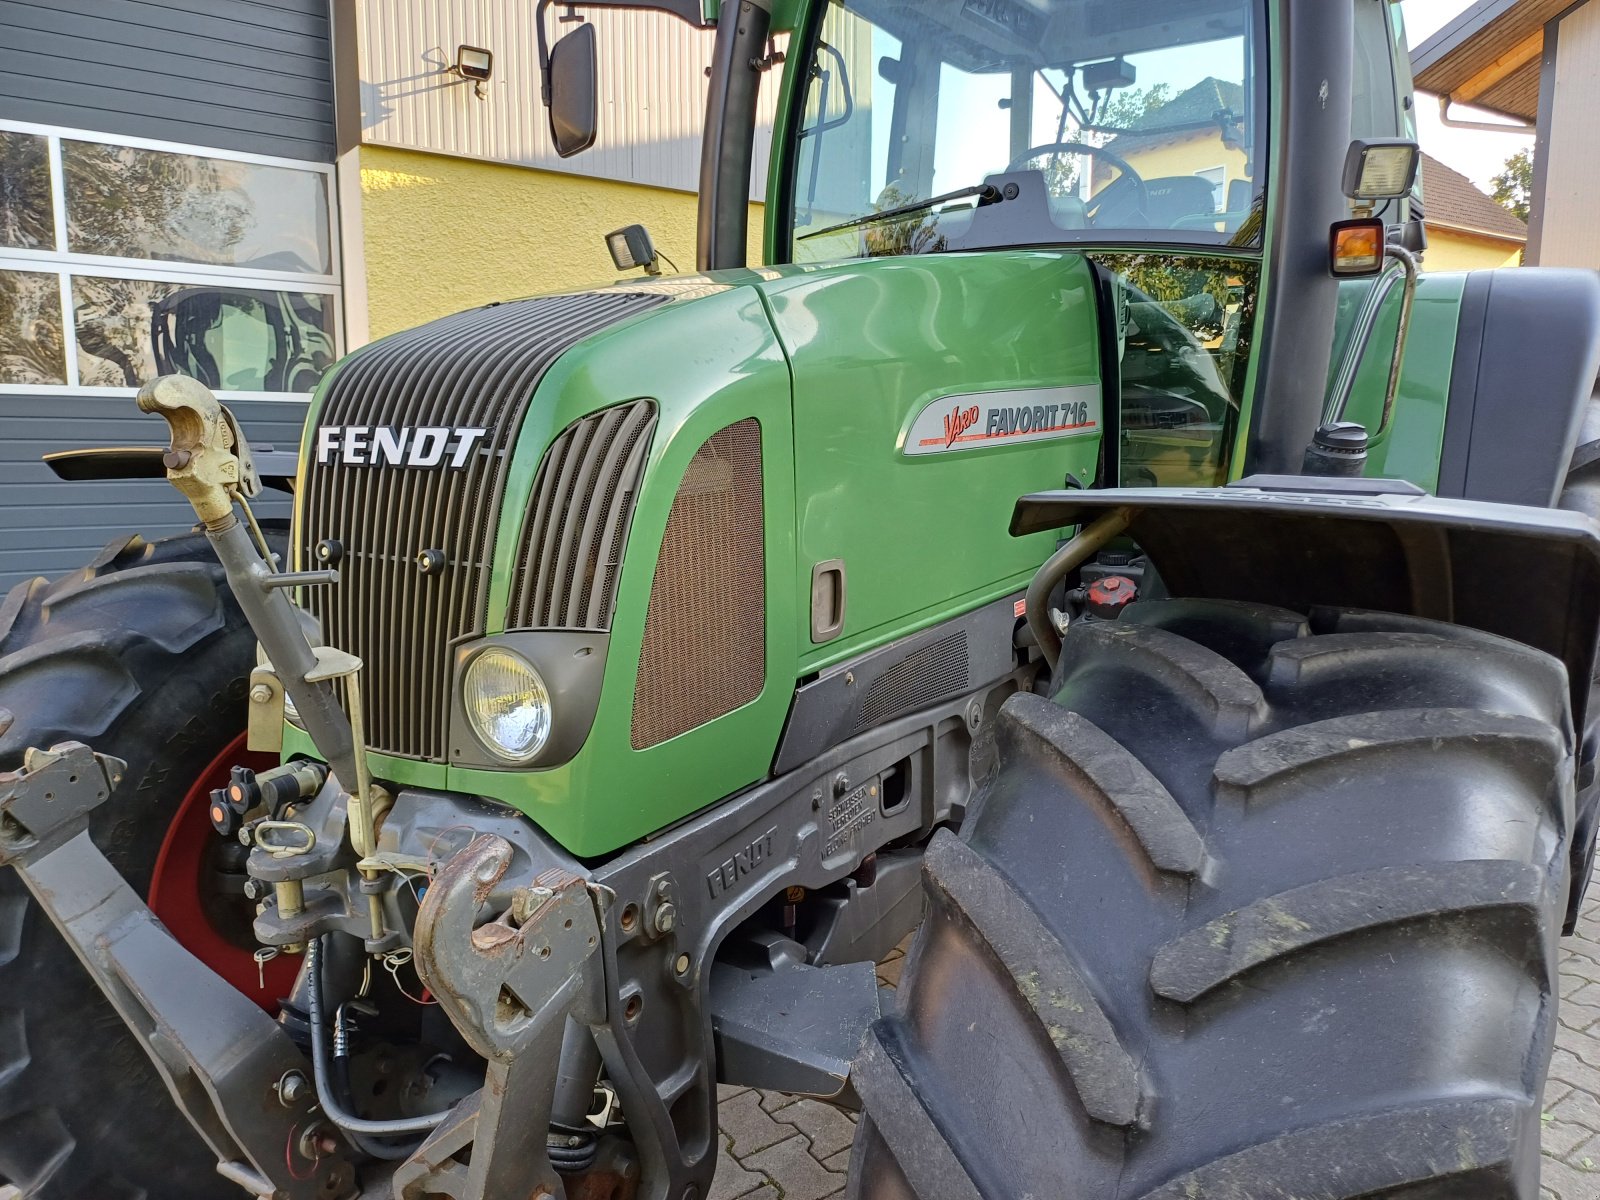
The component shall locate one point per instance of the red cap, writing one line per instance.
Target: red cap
(1110, 595)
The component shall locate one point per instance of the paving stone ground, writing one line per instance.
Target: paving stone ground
(777, 1147)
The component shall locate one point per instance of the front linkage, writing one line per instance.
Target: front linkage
(615, 988)
(232, 1069)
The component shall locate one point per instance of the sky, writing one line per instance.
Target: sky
(1478, 156)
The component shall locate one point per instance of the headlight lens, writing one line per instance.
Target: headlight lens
(507, 704)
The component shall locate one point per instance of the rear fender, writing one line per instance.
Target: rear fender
(1531, 574)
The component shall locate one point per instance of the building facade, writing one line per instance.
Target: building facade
(168, 202)
(244, 190)
(1535, 62)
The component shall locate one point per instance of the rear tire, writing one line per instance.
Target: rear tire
(1581, 493)
(1256, 908)
(142, 655)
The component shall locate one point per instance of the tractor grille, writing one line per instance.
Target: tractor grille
(704, 651)
(578, 520)
(473, 370)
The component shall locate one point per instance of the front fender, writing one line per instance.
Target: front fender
(1531, 574)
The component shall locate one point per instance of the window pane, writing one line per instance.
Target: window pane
(31, 348)
(131, 330)
(1108, 121)
(26, 221)
(131, 203)
(1183, 338)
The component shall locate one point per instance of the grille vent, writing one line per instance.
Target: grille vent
(476, 369)
(577, 521)
(922, 678)
(704, 651)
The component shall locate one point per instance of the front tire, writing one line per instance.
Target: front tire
(1256, 908)
(142, 655)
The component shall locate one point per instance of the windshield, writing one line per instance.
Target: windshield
(959, 124)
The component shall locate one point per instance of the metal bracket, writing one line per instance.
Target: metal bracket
(660, 907)
(50, 798)
(784, 1025)
(218, 1053)
(264, 722)
(509, 986)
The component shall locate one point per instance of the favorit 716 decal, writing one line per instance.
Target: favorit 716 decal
(968, 421)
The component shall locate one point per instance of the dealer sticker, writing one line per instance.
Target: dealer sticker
(971, 420)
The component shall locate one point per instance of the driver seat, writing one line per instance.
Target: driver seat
(1173, 197)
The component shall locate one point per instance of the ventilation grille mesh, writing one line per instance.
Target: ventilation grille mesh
(476, 369)
(577, 523)
(704, 651)
(923, 677)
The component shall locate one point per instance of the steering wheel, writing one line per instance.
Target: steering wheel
(1129, 177)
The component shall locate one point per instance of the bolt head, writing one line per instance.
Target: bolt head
(293, 1088)
(666, 918)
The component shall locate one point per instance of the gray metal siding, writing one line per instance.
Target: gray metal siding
(652, 90)
(246, 75)
(49, 526)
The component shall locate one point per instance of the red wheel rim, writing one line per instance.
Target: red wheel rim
(178, 898)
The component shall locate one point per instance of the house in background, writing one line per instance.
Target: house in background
(1467, 230)
(1536, 62)
(1187, 170)
(244, 190)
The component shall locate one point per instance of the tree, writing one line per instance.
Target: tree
(1127, 106)
(1513, 187)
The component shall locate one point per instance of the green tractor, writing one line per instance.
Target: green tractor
(1088, 543)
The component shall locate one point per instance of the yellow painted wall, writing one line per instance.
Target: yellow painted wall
(1201, 152)
(1450, 250)
(441, 234)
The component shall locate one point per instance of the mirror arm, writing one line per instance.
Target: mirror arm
(539, 10)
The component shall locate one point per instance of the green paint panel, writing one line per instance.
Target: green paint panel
(610, 794)
(872, 345)
(1410, 449)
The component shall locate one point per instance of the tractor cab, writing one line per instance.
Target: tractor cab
(924, 129)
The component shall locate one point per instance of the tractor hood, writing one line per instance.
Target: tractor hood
(478, 478)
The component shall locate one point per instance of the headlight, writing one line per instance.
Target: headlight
(506, 704)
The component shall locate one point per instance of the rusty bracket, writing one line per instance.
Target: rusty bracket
(509, 985)
(219, 1054)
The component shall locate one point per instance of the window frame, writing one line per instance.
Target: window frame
(65, 264)
(782, 208)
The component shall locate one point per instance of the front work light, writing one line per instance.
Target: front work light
(507, 705)
(1380, 168)
(631, 247)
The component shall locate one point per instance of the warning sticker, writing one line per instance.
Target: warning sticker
(971, 420)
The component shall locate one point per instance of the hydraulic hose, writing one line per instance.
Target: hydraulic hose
(371, 1147)
(321, 1076)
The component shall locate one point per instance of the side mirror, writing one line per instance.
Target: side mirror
(574, 91)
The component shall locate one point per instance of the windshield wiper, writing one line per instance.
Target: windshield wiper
(986, 193)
